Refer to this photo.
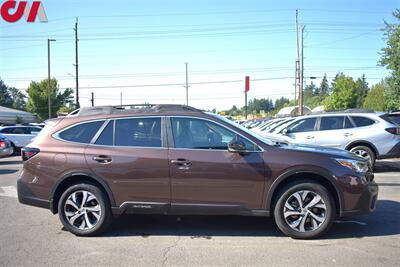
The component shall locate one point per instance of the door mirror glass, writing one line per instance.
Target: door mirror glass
(236, 146)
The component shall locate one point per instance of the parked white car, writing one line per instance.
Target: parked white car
(20, 136)
(370, 135)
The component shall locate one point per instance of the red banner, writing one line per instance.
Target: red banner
(247, 84)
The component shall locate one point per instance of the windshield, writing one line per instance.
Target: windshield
(281, 126)
(244, 129)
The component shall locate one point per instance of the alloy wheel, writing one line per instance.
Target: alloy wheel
(304, 211)
(82, 210)
(362, 153)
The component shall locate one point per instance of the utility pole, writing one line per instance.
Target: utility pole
(92, 99)
(76, 65)
(297, 75)
(301, 70)
(48, 75)
(187, 85)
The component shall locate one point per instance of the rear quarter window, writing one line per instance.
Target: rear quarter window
(392, 118)
(360, 121)
(81, 133)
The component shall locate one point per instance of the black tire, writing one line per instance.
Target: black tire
(367, 150)
(287, 193)
(101, 199)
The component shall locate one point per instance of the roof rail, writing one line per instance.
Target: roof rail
(131, 108)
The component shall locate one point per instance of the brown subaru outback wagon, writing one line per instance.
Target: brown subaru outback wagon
(100, 162)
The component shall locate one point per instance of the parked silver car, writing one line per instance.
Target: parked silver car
(20, 135)
(370, 135)
(6, 149)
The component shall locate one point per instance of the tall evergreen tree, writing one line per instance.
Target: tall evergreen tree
(391, 60)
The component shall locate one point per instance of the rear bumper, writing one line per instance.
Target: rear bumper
(25, 196)
(367, 201)
(393, 153)
(6, 152)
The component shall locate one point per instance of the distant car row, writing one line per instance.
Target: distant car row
(370, 135)
(13, 138)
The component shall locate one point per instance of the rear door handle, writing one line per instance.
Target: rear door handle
(347, 134)
(310, 137)
(102, 159)
(183, 164)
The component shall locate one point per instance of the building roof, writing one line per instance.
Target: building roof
(9, 116)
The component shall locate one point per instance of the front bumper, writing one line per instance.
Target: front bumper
(25, 196)
(367, 200)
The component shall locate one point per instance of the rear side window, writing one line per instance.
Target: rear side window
(362, 121)
(15, 130)
(347, 123)
(304, 125)
(81, 133)
(331, 123)
(141, 132)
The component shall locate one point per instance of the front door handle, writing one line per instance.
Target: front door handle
(310, 137)
(183, 164)
(347, 134)
(102, 159)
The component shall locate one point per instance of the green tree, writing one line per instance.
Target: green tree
(324, 88)
(391, 60)
(5, 98)
(18, 98)
(280, 103)
(38, 98)
(344, 94)
(375, 99)
(309, 95)
(361, 90)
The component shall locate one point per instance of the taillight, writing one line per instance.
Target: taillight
(29, 152)
(394, 130)
(3, 144)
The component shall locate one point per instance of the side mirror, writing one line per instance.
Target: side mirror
(285, 131)
(236, 146)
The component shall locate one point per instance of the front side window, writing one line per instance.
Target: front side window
(81, 133)
(142, 132)
(331, 123)
(106, 138)
(201, 134)
(304, 125)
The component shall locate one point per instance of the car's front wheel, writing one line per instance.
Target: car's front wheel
(304, 210)
(84, 210)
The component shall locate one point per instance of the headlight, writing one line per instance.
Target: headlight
(356, 165)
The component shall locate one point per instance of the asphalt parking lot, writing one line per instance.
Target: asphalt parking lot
(34, 237)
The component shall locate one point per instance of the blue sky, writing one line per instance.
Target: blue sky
(125, 45)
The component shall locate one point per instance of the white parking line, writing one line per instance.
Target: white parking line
(8, 191)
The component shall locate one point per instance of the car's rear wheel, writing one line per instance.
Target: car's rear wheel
(84, 210)
(304, 210)
(365, 152)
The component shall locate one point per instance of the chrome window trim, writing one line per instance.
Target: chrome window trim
(229, 129)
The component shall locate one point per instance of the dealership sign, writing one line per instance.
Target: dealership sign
(12, 11)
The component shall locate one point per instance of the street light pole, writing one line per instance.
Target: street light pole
(187, 85)
(48, 73)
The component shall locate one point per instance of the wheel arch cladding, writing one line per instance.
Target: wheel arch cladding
(305, 176)
(77, 178)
